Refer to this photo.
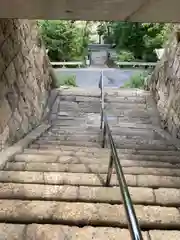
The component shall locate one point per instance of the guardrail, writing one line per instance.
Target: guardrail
(79, 64)
(133, 224)
(138, 64)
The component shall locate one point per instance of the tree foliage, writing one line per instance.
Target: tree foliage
(64, 40)
(139, 38)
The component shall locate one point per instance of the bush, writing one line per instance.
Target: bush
(125, 56)
(138, 80)
(67, 81)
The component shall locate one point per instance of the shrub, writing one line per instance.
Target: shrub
(125, 56)
(70, 81)
(138, 80)
(67, 80)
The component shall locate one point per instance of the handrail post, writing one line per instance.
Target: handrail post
(101, 126)
(101, 86)
(104, 136)
(110, 169)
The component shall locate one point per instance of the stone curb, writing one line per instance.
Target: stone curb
(23, 143)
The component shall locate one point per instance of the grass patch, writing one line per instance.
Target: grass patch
(138, 80)
(66, 81)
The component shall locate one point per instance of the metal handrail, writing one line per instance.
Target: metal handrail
(101, 86)
(133, 224)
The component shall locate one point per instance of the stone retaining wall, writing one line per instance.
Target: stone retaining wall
(165, 85)
(24, 79)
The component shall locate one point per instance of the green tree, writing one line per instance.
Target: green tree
(139, 38)
(64, 40)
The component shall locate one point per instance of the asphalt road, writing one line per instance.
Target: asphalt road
(89, 77)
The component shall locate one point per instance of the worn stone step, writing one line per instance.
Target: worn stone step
(75, 152)
(95, 137)
(127, 122)
(96, 214)
(134, 167)
(144, 146)
(89, 137)
(139, 195)
(128, 168)
(68, 143)
(150, 152)
(61, 178)
(67, 123)
(167, 196)
(119, 140)
(88, 179)
(125, 107)
(38, 231)
(75, 193)
(128, 113)
(82, 149)
(131, 144)
(134, 120)
(94, 131)
(131, 99)
(130, 152)
(119, 99)
(123, 125)
(90, 158)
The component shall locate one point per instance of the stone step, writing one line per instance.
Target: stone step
(131, 125)
(129, 144)
(80, 98)
(67, 123)
(151, 145)
(38, 231)
(68, 143)
(81, 214)
(139, 195)
(131, 99)
(88, 179)
(97, 139)
(89, 158)
(91, 168)
(96, 130)
(76, 193)
(130, 152)
(133, 167)
(130, 120)
(150, 152)
(90, 136)
(60, 178)
(72, 137)
(119, 99)
(59, 152)
(123, 106)
(116, 121)
(95, 92)
(120, 113)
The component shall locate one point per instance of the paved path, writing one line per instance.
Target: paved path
(55, 189)
(89, 77)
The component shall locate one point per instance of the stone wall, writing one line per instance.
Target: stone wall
(24, 79)
(165, 85)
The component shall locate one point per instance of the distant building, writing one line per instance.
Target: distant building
(98, 53)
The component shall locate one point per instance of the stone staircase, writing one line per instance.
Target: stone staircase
(55, 189)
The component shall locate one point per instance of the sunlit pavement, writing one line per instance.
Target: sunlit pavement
(89, 77)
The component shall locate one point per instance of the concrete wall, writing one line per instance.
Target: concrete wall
(165, 85)
(24, 79)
